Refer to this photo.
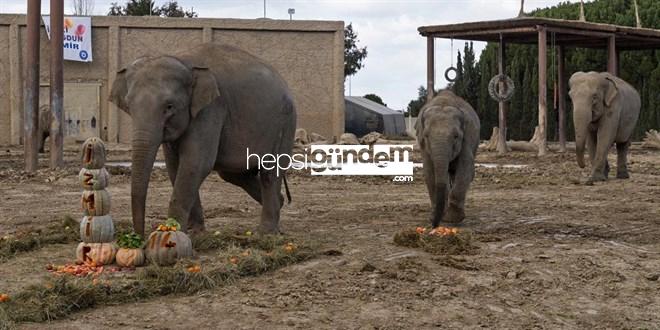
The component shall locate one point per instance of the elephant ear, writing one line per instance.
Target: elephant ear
(119, 91)
(610, 92)
(204, 89)
(120, 85)
(419, 128)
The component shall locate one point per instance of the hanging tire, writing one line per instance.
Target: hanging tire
(451, 69)
(499, 95)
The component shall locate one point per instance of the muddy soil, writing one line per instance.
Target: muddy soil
(553, 252)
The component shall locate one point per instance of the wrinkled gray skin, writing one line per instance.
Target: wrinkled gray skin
(206, 107)
(605, 111)
(448, 135)
(44, 126)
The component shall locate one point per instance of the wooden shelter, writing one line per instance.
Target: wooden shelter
(531, 30)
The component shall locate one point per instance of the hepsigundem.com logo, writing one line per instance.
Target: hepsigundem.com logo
(333, 159)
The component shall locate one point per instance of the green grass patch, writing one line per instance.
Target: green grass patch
(459, 243)
(228, 257)
(65, 231)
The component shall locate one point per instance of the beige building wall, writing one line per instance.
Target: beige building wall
(308, 54)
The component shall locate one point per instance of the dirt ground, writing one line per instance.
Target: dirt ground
(553, 253)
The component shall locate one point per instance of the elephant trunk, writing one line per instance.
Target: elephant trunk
(145, 147)
(441, 161)
(581, 121)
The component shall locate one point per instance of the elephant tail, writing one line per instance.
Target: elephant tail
(286, 188)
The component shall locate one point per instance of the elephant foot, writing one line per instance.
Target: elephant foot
(596, 177)
(454, 215)
(196, 228)
(622, 175)
(268, 230)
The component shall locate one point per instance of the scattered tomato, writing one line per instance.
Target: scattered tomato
(4, 297)
(233, 260)
(420, 230)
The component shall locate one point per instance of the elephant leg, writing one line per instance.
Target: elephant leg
(429, 177)
(600, 165)
(271, 187)
(591, 147)
(248, 181)
(460, 185)
(622, 160)
(196, 217)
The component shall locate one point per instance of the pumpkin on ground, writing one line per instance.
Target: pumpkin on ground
(93, 153)
(96, 253)
(95, 202)
(94, 179)
(130, 257)
(165, 247)
(97, 229)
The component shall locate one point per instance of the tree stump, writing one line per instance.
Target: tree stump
(652, 140)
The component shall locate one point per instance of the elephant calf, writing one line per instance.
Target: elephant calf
(448, 135)
(44, 126)
(605, 111)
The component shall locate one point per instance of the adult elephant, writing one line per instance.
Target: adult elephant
(448, 135)
(605, 111)
(209, 107)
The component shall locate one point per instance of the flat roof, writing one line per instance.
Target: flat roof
(524, 30)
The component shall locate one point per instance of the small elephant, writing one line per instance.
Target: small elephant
(605, 111)
(212, 107)
(448, 136)
(44, 126)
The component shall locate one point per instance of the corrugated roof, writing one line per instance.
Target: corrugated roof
(371, 105)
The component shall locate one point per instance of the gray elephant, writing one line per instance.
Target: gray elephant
(605, 111)
(448, 136)
(210, 107)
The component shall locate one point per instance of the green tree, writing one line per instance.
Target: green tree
(172, 9)
(415, 105)
(375, 98)
(353, 55)
(149, 8)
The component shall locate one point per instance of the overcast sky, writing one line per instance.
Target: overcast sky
(396, 63)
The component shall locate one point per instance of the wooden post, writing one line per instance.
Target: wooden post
(31, 111)
(561, 86)
(543, 93)
(430, 68)
(501, 65)
(612, 65)
(56, 83)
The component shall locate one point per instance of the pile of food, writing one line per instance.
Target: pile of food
(80, 270)
(439, 240)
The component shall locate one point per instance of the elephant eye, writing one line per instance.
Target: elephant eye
(169, 106)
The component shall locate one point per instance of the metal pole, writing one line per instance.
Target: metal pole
(561, 86)
(264, 8)
(430, 68)
(56, 82)
(612, 65)
(501, 64)
(543, 88)
(31, 111)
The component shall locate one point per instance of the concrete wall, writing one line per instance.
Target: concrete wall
(308, 54)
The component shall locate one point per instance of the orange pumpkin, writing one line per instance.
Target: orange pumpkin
(95, 202)
(165, 247)
(94, 179)
(96, 253)
(93, 153)
(97, 229)
(130, 257)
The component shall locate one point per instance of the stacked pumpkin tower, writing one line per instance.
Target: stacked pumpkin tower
(97, 231)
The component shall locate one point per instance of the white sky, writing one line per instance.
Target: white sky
(396, 63)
